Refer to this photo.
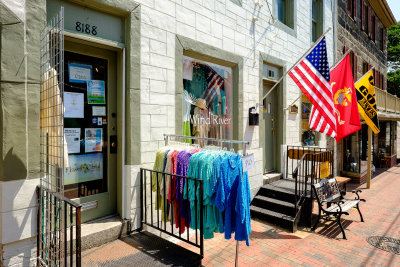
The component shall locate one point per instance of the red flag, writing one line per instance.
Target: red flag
(345, 100)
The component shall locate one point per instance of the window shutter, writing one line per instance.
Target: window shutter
(355, 10)
(382, 80)
(344, 49)
(355, 66)
(383, 83)
(376, 29)
(362, 15)
(369, 66)
(384, 38)
(369, 22)
(349, 3)
(378, 79)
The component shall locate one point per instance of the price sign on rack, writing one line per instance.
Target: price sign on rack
(248, 162)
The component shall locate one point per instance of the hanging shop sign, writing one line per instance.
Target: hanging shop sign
(83, 20)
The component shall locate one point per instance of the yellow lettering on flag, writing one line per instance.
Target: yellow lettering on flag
(366, 99)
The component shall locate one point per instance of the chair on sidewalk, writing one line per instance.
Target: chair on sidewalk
(331, 202)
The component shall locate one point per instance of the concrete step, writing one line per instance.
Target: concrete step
(273, 204)
(271, 177)
(276, 218)
(101, 231)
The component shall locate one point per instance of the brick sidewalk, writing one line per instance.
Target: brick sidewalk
(273, 247)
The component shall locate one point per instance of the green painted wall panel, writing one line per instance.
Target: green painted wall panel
(13, 147)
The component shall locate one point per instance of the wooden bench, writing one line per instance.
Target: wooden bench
(342, 182)
(331, 202)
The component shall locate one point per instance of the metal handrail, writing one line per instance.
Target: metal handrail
(70, 208)
(152, 218)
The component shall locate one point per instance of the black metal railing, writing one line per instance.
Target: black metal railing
(294, 154)
(309, 170)
(159, 213)
(57, 242)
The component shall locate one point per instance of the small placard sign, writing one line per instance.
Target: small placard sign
(248, 162)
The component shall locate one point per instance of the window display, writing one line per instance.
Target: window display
(207, 100)
(351, 153)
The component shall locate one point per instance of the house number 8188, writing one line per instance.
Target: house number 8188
(85, 28)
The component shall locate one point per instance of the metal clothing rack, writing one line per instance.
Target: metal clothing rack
(167, 137)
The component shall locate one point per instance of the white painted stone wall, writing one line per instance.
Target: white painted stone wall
(227, 26)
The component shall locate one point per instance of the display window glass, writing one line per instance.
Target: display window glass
(385, 138)
(85, 124)
(207, 100)
(351, 153)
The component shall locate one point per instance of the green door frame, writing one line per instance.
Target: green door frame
(280, 124)
(110, 201)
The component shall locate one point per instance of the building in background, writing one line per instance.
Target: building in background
(362, 27)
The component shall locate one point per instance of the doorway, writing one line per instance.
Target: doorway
(90, 127)
(270, 104)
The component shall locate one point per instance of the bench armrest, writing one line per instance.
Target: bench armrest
(358, 196)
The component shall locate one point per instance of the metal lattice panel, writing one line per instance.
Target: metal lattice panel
(52, 158)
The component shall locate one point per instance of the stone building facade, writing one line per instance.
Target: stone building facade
(153, 38)
(362, 27)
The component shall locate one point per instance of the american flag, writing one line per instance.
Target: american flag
(214, 82)
(312, 75)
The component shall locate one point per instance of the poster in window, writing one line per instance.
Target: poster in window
(93, 140)
(83, 168)
(79, 73)
(73, 135)
(73, 105)
(96, 93)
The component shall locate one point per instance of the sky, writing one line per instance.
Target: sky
(395, 7)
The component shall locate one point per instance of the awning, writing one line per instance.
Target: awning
(7, 17)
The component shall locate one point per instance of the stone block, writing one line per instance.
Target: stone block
(185, 16)
(185, 30)
(13, 110)
(12, 53)
(158, 47)
(165, 6)
(158, 121)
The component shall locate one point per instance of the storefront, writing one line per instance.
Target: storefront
(355, 146)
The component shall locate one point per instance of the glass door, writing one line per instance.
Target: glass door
(90, 128)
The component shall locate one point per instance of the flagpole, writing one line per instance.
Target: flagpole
(295, 64)
(334, 66)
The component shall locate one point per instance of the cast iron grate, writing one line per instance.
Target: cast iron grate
(385, 243)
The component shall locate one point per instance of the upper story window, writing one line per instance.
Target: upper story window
(373, 28)
(366, 17)
(316, 19)
(352, 9)
(284, 11)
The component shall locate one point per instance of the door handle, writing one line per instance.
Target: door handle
(273, 124)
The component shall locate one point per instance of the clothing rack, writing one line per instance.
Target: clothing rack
(167, 138)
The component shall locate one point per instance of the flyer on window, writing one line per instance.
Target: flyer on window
(74, 105)
(93, 140)
(96, 92)
(83, 168)
(73, 135)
